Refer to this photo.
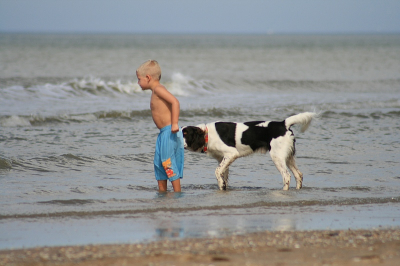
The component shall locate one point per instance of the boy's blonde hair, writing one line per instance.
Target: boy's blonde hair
(150, 67)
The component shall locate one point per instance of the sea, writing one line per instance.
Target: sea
(77, 138)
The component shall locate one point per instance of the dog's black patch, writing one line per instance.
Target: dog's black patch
(226, 132)
(277, 129)
(260, 137)
(253, 123)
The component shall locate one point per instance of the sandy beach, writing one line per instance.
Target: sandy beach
(340, 247)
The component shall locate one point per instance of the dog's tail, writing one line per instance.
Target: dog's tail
(304, 119)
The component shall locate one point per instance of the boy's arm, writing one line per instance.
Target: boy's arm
(170, 99)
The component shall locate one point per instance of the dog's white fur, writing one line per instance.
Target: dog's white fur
(281, 148)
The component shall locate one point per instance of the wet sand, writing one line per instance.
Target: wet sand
(339, 247)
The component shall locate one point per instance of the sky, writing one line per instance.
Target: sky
(200, 16)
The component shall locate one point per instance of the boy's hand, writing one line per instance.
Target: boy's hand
(174, 128)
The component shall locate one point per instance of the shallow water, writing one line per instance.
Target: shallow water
(77, 138)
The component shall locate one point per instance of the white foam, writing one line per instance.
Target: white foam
(128, 88)
(178, 84)
(14, 121)
(182, 85)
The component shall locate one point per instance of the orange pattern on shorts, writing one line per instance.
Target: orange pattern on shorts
(167, 167)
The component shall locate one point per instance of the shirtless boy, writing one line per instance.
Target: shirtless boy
(168, 158)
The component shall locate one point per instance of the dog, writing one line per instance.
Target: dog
(227, 141)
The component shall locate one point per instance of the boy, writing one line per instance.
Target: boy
(168, 158)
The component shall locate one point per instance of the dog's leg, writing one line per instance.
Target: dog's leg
(296, 172)
(280, 164)
(218, 175)
(221, 170)
(281, 150)
(226, 176)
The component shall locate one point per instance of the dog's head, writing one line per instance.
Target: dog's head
(193, 138)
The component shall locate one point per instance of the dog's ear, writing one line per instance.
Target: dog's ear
(199, 140)
(199, 131)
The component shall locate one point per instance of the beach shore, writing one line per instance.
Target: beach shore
(338, 247)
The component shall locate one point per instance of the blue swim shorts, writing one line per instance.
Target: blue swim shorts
(169, 155)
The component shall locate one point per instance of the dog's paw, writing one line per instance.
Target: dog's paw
(221, 184)
(224, 186)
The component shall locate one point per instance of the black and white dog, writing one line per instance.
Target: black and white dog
(227, 141)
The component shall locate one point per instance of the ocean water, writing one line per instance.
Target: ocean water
(77, 138)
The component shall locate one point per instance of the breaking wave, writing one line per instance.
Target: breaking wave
(5, 164)
(20, 88)
(178, 84)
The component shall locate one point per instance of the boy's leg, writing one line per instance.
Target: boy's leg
(176, 184)
(162, 185)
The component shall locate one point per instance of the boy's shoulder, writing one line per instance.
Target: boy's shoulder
(159, 88)
(162, 92)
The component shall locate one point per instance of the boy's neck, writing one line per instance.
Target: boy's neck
(154, 84)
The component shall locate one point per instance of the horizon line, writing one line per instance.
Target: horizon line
(201, 33)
